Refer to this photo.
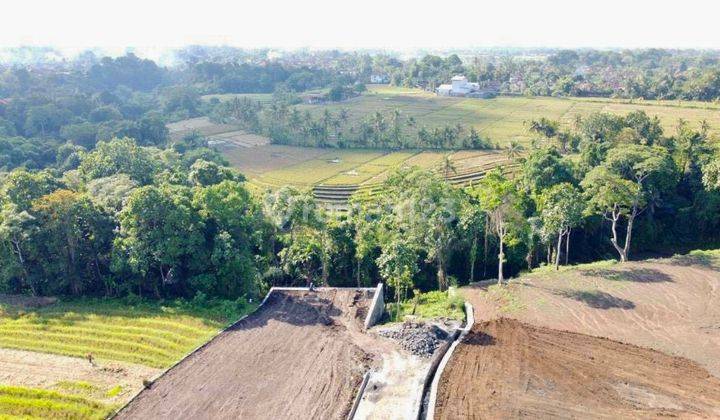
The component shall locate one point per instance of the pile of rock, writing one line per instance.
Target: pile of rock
(416, 337)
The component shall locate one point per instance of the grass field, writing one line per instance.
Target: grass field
(430, 305)
(126, 342)
(503, 119)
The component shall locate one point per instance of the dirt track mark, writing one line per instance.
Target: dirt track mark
(507, 369)
(675, 310)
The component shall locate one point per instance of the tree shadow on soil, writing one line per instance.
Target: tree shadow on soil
(635, 274)
(312, 309)
(597, 299)
(479, 338)
(697, 259)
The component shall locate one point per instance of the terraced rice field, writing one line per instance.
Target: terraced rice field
(319, 169)
(83, 359)
(501, 119)
(370, 169)
(147, 337)
(28, 403)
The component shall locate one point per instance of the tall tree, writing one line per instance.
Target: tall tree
(614, 198)
(561, 208)
(501, 200)
(160, 233)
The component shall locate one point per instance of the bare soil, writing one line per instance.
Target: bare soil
(261, 159)
(20, 302)
(47, 371)
(508, 369)
(302, 355)
(671, 305)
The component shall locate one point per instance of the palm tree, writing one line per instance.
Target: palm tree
(514, 150)
(448, 166)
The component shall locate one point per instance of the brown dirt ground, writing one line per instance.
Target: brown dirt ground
(47, 371)
(261, 159)
(300, 356)
(671, 305)
(24, 302)
(507, 369)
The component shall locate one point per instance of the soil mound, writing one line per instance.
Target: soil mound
(296, 357)
(507, 369)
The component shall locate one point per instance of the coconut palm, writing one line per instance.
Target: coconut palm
(514, 150)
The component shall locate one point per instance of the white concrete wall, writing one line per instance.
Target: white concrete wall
(377, 307)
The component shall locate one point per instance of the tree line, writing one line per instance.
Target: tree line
(647, 74)
(128, 219)
(285, 124)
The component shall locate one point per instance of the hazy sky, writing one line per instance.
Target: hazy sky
(348, 24)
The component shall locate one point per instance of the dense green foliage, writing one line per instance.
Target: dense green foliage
(649, 74)
(132, 219)
(95, 199)
(135, 220)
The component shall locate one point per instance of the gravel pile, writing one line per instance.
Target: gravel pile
(418, 338)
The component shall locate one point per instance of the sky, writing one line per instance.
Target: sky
(361, 24)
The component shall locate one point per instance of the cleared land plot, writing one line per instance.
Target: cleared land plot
(262, 159)
(202, 125)
(503, 119)
(264, 98)
(320, 169)
(671, 305)
(302, 355)
(239, 138)
(370, 169)
(507, 369)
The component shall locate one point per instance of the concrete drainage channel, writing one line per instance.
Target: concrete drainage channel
(428, 411)
(423, 386)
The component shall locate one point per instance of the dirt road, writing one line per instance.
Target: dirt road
(508, 369)
(300, 356)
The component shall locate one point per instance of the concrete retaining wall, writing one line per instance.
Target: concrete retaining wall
(432, 370)
(377, 307)
(358, 397)
(470, 317)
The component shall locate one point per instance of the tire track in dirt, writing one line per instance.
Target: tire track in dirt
(508, 369)
(669, 305)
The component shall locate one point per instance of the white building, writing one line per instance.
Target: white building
(379, 79)
(460, 86)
